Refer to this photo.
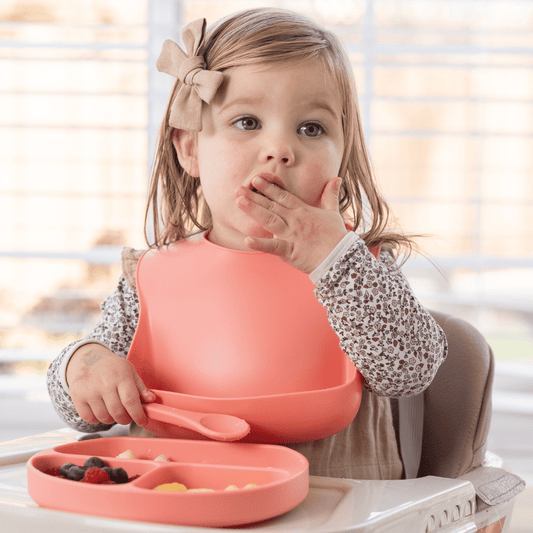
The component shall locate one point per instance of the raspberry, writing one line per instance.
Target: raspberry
(53, 471)
(96, 475)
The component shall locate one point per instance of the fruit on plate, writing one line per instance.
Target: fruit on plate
(128, 454)
(118, 475)
(76, 473)
(179, 487)
(94, 461)
(94, 470)
(97, 476)
(172, 487)
(53, 471)
(64, 470)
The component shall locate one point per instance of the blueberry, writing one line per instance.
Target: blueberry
(111, 472)
(119, 475)
(76, 473)
(65, 469)
(94, 461)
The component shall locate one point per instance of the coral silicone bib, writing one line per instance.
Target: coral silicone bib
(225, 324)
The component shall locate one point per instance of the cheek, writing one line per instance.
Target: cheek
(326, 161)
(219, 157)
(318, 175)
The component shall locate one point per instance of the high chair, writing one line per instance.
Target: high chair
(443, 432)
(453, 484)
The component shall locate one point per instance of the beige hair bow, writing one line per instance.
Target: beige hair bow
(199, 84)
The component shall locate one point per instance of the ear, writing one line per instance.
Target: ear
(185, 145)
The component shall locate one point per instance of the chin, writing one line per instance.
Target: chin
(259, 232)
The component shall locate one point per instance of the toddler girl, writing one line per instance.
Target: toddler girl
(262, 150)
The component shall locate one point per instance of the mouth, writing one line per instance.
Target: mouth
(253, 189)
(272, 179)
(268, 177)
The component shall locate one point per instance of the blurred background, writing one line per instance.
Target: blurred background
(446, 93)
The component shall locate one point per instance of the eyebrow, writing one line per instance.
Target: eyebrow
(321, 104)
(241, 101)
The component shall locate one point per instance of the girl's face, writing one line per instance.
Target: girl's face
(281, 122)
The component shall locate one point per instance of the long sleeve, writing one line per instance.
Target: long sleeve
(116, 328)
(391, 338)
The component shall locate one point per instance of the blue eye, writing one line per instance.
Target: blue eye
(311, 129)
(247, 124)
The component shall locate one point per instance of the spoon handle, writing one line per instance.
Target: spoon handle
(230, 427)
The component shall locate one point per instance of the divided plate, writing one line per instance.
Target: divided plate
(281, 476)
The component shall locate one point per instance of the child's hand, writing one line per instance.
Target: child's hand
(105, 387)
(303, 235)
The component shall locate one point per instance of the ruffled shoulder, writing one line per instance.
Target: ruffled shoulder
(130, 259)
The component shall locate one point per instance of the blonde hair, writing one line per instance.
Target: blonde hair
(271, 37)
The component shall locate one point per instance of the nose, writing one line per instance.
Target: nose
(278, 149)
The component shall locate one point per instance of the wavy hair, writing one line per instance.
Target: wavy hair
(273, 37)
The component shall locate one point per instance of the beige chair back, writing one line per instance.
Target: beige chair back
(458, 404)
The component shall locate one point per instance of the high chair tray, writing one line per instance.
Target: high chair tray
(280, 474)
(331, 505)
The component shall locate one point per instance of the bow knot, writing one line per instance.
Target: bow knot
(189, 68)
(199, 85)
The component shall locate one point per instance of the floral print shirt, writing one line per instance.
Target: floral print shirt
(391, 338)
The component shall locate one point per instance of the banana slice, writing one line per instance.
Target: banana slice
(128, 454)
(171, 487)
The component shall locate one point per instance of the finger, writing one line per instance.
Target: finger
(100, 411)
(147, 396)
(269, 246)
(268, 218)
(330, 195)
(253, 197)
(276, 193)
(131, 402)
(117, 405)
(86, 413)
